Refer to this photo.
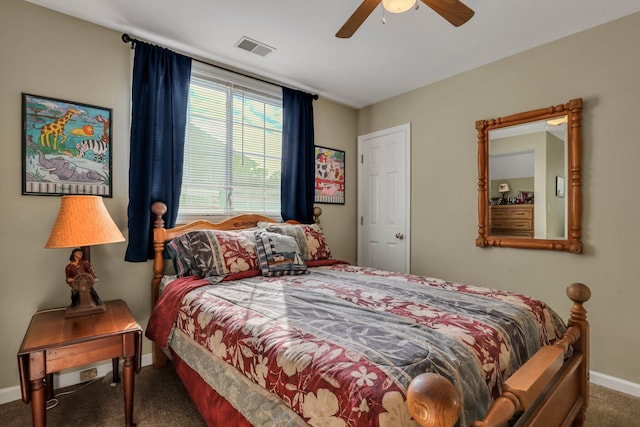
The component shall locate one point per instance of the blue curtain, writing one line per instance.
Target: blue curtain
(298, 157)
(160, 91)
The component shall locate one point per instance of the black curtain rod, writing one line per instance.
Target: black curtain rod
(126, 38)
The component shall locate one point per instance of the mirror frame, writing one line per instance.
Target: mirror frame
(573, 243)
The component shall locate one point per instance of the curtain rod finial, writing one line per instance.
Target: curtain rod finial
(127, 39)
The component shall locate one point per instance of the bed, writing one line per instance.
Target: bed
(265, 328)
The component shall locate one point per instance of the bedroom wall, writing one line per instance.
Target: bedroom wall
(50, 54)
(602, 66)
(335, 127)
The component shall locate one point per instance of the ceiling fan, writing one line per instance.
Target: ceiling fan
(452, 10)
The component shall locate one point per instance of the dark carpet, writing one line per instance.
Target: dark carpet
(161, 400)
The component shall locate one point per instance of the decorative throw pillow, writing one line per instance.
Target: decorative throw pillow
(310, 239)
(278, 255)
(213, 252)
(179, 252)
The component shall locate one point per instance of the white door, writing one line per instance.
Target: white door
(383, 199)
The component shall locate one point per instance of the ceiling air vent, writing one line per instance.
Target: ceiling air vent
(254, 46)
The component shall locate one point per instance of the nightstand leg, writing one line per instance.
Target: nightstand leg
(38, 411)
(49, 387)
(128, 374)
(116, 369)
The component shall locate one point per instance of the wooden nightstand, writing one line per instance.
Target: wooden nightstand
(53, 343)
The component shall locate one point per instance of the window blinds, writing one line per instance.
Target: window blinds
(233, 147)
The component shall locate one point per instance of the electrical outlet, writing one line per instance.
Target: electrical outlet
(88, 374)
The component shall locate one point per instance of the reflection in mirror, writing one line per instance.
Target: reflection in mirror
(525, 162)
(527, 159)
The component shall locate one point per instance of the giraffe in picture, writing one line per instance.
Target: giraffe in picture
(56, 129)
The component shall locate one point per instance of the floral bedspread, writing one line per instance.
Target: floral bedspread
(339, 346)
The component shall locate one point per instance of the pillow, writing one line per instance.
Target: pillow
(278, 255)
(310, 239)
(324, 262)
(207, 253)
(179, 254)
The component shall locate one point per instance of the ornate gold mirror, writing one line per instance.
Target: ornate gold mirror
(530, 179)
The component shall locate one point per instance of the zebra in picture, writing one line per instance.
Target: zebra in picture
(92, 149)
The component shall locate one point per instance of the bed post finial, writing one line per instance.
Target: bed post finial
(433, 401)
(579, 293)
(317, 211)
(158, 209)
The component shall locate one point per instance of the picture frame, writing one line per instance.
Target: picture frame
(559, 186)
(66, 147)
(329, 175)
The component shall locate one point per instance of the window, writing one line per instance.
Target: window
(233, 146)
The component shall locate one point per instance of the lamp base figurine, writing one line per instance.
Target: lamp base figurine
(81, 278)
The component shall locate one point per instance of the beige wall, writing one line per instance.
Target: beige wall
(335, 127)
(602, 66)
(49, 54)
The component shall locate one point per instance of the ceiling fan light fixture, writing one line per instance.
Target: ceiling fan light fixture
(398, 6)
(454, 11)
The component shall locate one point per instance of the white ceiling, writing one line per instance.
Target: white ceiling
(380, 61)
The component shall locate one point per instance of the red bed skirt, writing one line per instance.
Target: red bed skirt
(215, 409)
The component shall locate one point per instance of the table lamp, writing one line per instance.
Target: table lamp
(82, 221)
(503, 189)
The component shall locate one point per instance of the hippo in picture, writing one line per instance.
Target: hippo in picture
(66, 170)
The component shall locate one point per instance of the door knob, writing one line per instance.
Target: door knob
(399, 236)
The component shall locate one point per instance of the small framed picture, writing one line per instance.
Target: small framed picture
(559, 186)
(329, 175)
(66, 147)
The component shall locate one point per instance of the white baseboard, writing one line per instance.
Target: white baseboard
(68, 378)
(10, 394)
(617, 384)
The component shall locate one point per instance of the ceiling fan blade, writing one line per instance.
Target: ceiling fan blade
(453, 11)
(359, 16)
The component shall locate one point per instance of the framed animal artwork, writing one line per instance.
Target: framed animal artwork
(329, 176)
(66, 147)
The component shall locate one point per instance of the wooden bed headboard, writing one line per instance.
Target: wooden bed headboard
(163, 235)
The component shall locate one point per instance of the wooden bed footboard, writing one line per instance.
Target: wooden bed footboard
(550, 389)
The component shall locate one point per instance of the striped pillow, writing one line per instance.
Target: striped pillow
(278, 255)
